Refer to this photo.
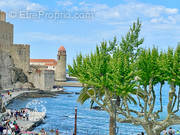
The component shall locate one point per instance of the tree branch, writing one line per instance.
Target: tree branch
(160, 99)
(178, 102)
(152, 105)
(171, 95)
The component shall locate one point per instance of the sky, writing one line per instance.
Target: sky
(80, 25)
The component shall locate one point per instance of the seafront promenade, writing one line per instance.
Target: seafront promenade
(35, 118)
(14, 94)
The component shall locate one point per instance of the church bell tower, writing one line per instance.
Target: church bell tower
(60, 71)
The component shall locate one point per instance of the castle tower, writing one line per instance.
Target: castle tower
(6, 33)
(2, 16)
(60, 72)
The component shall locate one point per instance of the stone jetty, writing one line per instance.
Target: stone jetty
(35, 118)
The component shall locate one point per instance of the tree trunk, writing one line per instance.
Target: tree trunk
(112, 125)
(149, 130)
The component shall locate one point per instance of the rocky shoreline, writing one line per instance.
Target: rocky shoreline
(31, 94)
(43, 93)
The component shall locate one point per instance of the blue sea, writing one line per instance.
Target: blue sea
(60, 111)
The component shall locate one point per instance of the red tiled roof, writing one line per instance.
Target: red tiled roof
(61, 48)
(48, 62)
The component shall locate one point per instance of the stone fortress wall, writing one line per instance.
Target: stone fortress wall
(6, 33)
(6, 41)
(14, 59)
(40, 77)
(21, 56)
(48, 79)
(17, 56)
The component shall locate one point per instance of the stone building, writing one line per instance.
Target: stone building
(45, 72)
(10, 57)
(58, 66)
(16, 65)
(19, 52)
(60, 71)
(6, 33)
(41, 77)
(21, 55)
(49, 63)
(42, 73)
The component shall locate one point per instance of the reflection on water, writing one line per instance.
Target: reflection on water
(60, 115)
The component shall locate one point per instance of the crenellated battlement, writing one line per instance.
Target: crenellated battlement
(22, 46)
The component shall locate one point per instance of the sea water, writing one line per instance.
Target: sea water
(60, 111)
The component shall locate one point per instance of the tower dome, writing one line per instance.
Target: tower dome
(61, 48)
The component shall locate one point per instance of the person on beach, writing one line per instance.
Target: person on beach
(16, 115)
(14, 123)
(178, 132)
(164, 132)
(1, 129)
(57, 132)
(8, 93)
(17, 129)
(7, 131)
(43, 132)
(27, 116)
(21, 115)
(12, 113)
(24, 116)
(11, 125)
(171, 131)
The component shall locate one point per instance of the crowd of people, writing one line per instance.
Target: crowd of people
(42, 132)
(8, 125)
(171, 131)
(22, 114)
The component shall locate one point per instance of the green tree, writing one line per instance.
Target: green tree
(109, 65)
(131, 75)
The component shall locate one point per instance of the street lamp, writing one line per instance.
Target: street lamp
(75, 123)
(114, 105)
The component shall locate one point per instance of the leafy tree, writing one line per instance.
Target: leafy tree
(98, 72)
(131, 75)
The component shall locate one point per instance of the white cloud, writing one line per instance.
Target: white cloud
(168, 20)
(64, 3)
(172, 10)
(19, 4)
(131, 11)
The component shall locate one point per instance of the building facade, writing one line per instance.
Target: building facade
(60, 71)
(41, 72)
(49, 63)
(11, 55)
